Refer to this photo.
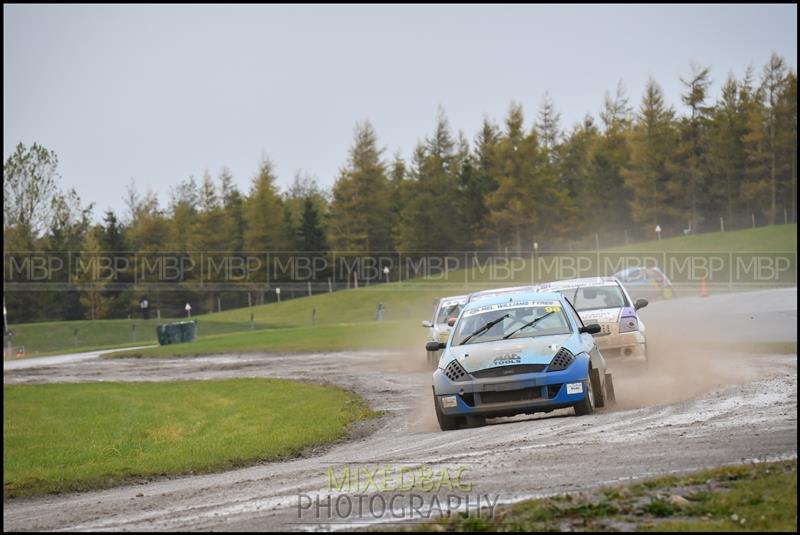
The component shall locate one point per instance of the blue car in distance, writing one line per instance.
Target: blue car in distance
(518, 353)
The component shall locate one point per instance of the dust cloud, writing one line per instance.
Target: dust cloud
(696, 345)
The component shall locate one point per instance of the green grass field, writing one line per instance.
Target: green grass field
(755, 497)
(406, 301)
(70, 437)
(778, 238)
(357, 336)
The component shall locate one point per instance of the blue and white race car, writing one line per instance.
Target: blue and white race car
(518, 353)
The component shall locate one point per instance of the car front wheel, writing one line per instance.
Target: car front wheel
(586, 405)
(446, 423)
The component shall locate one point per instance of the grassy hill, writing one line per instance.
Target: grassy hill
(407, 303)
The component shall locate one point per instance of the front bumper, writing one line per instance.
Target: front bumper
(517, 394)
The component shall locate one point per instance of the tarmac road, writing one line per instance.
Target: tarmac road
(695, 407)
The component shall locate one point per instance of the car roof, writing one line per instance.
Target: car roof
(578, 283)
(524, 295)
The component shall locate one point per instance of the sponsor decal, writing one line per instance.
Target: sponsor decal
(515, 304)
(507, 359)
(574, 388)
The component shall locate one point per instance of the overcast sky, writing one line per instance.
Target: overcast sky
(161, 93)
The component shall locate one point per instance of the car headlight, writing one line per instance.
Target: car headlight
(628, 324)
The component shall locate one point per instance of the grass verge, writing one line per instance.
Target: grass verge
(72, 437)
(754, 497)
(356, 336)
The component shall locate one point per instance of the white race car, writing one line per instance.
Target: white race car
(448, 308)
(605, 301)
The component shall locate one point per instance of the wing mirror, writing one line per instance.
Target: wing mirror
(593, 328)
(427, 324)
(640, 303)
(435, 346)
(451, 321)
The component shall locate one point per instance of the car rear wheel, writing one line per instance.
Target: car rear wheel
(446, 423)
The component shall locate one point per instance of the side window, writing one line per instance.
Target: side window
(574, 314)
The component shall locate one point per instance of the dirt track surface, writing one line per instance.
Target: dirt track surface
(693, 408)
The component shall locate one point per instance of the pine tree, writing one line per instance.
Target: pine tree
(478, 181)
(754, 190)
(434, 179)
(787, 141)
(648, 174)
(726, 149)
(694, 140)
(264, 212)
(575, 173)
(208, 227)
(772, 83)
(361, 207)
(607, 205)
(311, 233)
(526, 205)
(233, 225)
(616, 112)
(548, 129)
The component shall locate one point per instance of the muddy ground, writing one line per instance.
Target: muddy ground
(709, 397)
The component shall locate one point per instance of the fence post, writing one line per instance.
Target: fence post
(721, 224)
(753, 217)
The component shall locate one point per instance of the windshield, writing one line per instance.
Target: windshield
(511, 320)
(596, 297)
(448, 311)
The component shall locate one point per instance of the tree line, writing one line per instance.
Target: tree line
(516, 182)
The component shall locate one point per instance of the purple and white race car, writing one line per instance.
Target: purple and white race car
(605, 301)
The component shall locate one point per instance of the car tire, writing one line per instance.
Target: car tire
(610, 395)
(446, 423)
(597, 388)
(585, 406)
